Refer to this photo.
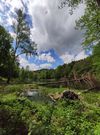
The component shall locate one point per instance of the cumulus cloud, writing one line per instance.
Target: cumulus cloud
(24, 63)
(45, 66)
(52, 28)
(81, 55)
(55, 28)
(67, 58)
(46, 57)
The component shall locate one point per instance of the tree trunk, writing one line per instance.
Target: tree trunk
(9, 74)
(8, 80)
(98, 2)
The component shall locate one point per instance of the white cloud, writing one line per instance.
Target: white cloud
(45, 66)
(24, 63)
(67, 58)
(46, 57)
(14, 4)
(52, 28)
(81, 55)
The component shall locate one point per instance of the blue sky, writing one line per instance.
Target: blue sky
(49, 56)
(52, 29)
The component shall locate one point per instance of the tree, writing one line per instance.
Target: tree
(5, 46)
(6, 54)
(75, 3)
(13, 68)
(89, 23)
(22, 45)
(96, 60)
(23, 42)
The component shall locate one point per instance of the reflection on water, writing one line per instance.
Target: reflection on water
(34, 95)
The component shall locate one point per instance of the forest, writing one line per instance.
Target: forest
(50, 101)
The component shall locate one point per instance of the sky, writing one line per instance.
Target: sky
(52, 29)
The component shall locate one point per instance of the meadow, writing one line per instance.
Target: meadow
(21, 115)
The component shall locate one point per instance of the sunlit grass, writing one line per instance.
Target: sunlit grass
(68, 117)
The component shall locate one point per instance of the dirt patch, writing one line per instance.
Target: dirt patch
(64, 95)
(69, 95)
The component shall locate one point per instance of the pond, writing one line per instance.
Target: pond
(37, 96)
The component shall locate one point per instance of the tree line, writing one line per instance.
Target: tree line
(12, 47)
(84, 71)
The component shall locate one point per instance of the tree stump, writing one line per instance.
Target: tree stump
(69, 95)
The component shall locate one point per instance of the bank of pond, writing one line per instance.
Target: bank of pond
(29, 109)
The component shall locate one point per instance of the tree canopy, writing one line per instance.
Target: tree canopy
(10, 52)
(5, 45)
(8, 67)
(89, 22)
(24, 43)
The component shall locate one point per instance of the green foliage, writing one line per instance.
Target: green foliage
(96, 60)
(19, 115)
(90, 23)
(24, 74)
(5, 46)
(24, 44)
(80, 67)
(8, 67)
(66, 116)
(15, 114)
(71, 3)
(97, 129)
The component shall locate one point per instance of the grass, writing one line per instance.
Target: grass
(65, 117)
(90, 97)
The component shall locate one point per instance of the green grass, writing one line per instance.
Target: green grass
(64, 117)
